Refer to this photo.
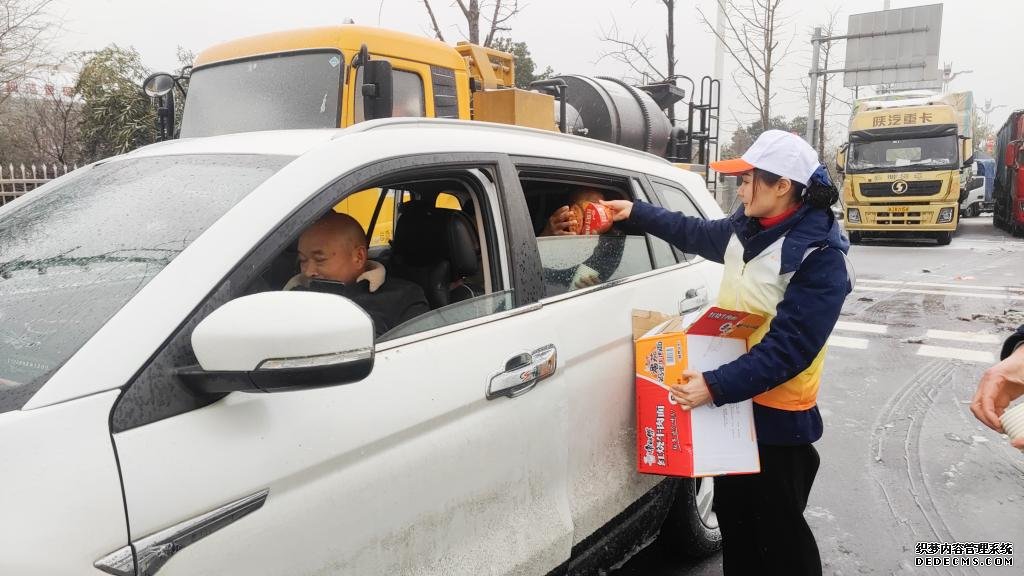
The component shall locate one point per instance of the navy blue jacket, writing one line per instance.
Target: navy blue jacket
(803, 320)
(1012, 342)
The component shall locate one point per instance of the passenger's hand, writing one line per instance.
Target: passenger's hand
(585, 277)
(694, 392)
(560, 223)
(620, 209)
(999, 385)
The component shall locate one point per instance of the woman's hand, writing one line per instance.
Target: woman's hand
(620, 209)
(561, 223)
(692, 394)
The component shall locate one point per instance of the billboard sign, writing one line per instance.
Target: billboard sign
(894, 47)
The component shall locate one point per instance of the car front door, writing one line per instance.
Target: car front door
(435, 463)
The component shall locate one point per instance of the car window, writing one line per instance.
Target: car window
(74, 254)
(408, 95)
(430, 238)
(677, 200)
(661, 251)
(454, 313)
(572, 260)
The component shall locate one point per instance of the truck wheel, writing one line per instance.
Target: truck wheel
(971, 211)
(691, 527)
(944, 238)
(855, 237)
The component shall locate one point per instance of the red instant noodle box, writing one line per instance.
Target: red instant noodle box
(708, 440)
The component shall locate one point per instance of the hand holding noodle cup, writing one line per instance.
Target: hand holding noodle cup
(591, 218)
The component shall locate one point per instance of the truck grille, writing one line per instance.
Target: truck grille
(896, 218)
(914, 188)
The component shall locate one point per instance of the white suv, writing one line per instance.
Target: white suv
(166, 408)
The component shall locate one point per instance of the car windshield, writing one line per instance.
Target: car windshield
(74, 252)
(281, 91)
(886, 155)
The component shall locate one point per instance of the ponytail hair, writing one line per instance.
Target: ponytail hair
(820, 192)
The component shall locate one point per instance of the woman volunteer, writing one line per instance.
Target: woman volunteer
(785, 259)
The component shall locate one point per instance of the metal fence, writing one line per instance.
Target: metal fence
(17, 180)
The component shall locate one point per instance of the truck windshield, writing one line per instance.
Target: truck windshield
(79, 249)
(885, 155)
(281, 91)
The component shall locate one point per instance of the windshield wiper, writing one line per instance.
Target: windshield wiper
(164, 256)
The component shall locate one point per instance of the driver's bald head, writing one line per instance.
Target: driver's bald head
(340, 227)
(334, 248)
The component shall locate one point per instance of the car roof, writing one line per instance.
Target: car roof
(406, 136)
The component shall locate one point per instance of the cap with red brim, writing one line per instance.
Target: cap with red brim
(732, 167)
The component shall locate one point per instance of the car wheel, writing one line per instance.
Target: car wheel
(855, 237)
(691, 527)
(944, 238)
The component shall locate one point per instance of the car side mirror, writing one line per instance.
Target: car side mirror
(378, 89)
(160, 87)
(841, 158)
(280, 341)
(967, 151)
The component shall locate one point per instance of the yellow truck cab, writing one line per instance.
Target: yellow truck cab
(309, 79)
(903, 166)
(313, 78)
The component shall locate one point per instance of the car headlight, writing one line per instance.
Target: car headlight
(853, 215)
(945, 215)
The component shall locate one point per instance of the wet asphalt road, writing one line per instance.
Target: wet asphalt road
(903, 460)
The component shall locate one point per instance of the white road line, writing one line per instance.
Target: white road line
(956, 353)
(939, 293)
(976, 337)
(844, 342)
(862, 327)
(938, 285)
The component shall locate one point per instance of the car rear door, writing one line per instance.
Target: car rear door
(449, 458)
(594, 325)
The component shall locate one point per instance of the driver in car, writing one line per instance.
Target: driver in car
(333, 258)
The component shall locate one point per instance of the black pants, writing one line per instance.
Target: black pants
(762, 515)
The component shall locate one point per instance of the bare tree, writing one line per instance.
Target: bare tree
(637, 54)
(829, 30)
(634, 52)
(25, 31)
(53, 129)
(751, 37)
(494, 15)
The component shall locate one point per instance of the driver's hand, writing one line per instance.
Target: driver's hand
(560, 223)
(620, 209)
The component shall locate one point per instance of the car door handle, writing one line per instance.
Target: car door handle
(694, 299)
(523, 372)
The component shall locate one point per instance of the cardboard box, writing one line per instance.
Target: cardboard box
(708, 440)
(515, 106)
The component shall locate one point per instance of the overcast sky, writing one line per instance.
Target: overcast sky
(564, 34)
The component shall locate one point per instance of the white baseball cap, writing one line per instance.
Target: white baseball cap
(778, 152)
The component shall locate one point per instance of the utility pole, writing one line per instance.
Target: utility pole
(815, 50)
(719, 46)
